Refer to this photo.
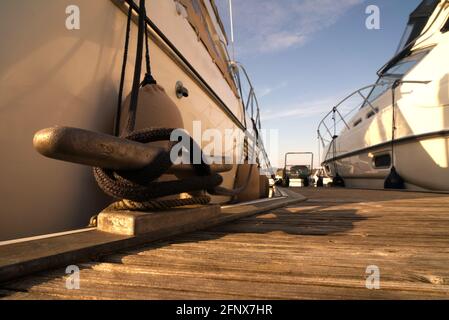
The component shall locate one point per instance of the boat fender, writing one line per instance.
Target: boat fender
(394, 180)
(154, 109)
(338, 181)
(247, 182)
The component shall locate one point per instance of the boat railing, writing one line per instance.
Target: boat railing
(338, 117)
(249, 100)
(251, 108)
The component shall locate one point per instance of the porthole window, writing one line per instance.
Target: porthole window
(372, 113)
(382, 161)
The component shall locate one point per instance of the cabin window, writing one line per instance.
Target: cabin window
(383, 84)
(405, 65)
(417, 22)
(382, 161)
(395, 72)
(372, 113)
(411, 32)
(357, 122)
(406, 37)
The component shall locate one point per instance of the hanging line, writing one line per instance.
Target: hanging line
(319, 150)
(122, 76)
(395, 85)
(393, 118)
(141, 34)
(334, 141)
(148, 76)
(393, 180)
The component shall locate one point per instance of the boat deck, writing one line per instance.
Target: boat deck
(317, 249)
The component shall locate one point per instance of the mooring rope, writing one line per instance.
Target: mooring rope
(140, 186)
(159, 204)
(122, 75)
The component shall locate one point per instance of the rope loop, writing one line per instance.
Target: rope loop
(141, 185)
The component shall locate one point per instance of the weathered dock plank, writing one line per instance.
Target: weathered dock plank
(26, 256)
(317, 249)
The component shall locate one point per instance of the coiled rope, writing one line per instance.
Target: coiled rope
(138, 189)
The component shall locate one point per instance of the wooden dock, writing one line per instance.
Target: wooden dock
(317, 249)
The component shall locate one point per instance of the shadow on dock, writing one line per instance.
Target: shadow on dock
(333, 236)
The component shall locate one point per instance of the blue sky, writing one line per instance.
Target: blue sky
(305, 55)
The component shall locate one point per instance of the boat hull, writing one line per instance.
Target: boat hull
(421, 162)
(362, 153)
(70, 78)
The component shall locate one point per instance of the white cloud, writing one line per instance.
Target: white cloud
(298, 111)
(318, 108)
(275, 25)
(269, 90)
(281, 40)
(305, 109)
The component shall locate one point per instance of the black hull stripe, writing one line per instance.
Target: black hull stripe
(407, 139)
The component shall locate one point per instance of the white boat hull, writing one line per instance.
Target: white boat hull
(422, 163)
(421, 135)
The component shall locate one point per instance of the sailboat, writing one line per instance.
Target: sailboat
(395, 132)
(68, 81)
